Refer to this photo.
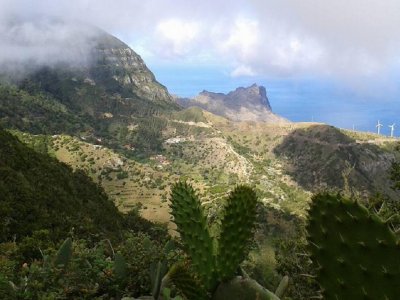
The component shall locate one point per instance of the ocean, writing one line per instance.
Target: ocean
(299, 100)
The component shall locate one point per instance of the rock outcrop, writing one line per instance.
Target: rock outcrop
(124, 65)
(242, 104)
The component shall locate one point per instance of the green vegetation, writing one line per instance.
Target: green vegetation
(323, 157)
(39, 192)
(42, 202)
(356, 254)
(136, 148)
(215, 260)
(192, 114)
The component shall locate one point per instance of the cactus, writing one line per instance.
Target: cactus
(356, 254)
(215, 261)
(64, 254)
(192, 226)
(237, 224)
(184, 280)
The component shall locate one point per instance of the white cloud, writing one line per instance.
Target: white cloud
(176, 36)
(349, 40)
(240, 37)
(242, 71)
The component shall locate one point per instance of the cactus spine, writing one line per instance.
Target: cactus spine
(357, 256)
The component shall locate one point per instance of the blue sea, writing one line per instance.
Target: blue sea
(299, 100)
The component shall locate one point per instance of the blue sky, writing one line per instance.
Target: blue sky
(334, 61)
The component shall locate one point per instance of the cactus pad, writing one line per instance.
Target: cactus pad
(237, 224)
(356, 254)
(192, 227)
(186, 283)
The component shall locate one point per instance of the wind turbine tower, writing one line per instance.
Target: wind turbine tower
(391, 129)
(379, 125)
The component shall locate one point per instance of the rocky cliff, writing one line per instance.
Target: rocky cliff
(85, 54)
(242, 104)
(114, 58)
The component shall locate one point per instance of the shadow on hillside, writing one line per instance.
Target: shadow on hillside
(321, 157)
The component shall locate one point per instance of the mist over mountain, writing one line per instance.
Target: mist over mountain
(27, 44)
(82, 49)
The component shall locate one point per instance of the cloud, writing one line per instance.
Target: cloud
(348, 40)
(243, 71)
(176, 37)
(44, 42)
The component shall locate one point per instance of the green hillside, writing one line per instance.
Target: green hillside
(38, 192)
(42, 203)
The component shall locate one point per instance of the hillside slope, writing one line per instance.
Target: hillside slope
(39, 192)
(323, 157)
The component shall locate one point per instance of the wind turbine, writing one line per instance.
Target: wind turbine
(391, 129)
(379, 125)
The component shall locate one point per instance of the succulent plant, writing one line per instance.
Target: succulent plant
(215, 261)
(192, 226)
(357, 255)
(64, 254)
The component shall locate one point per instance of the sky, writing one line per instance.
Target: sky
(333, 61)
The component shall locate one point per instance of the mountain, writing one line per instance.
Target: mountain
(99, 98)
(114, 60)
(242, 104)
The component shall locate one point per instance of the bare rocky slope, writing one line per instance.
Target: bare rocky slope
(242, 104)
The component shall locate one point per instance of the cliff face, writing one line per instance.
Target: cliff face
(242, 104)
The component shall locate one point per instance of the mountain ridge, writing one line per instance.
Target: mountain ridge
(243, 104)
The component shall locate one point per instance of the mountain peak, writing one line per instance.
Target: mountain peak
(243, 104)
(254, 94)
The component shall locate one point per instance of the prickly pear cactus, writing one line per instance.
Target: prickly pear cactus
(185, 282)
(357, 256)
(217, 259)
(192, 226)
(237, 224)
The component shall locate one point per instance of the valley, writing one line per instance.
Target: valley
(105, 138)
(216, 154)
